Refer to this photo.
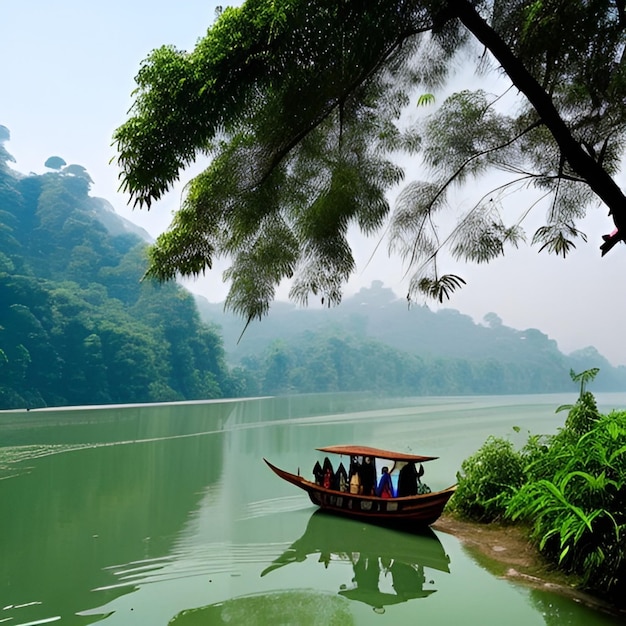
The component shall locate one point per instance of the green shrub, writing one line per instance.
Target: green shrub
(569, 488)
(582, 415)
(487, 481)
(575, 502)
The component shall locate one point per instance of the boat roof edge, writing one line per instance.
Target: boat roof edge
(379, 453)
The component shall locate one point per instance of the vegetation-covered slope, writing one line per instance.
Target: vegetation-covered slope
(76, 324)
(567, 489)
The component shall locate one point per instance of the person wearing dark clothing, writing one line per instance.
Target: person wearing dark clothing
(328, 473)
(327, 480)
(318, 473)
(368, 476)
(354, 477)
(407, 480)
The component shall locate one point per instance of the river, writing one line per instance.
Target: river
(158, 515)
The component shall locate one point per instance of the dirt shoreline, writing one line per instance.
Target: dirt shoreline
(507, 552)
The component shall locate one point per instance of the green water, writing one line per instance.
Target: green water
(166, 514)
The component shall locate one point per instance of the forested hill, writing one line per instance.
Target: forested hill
(375, 332)
(76, 324)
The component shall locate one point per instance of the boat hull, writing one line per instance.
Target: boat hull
(418, 510)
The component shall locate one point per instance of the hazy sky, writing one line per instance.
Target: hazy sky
(66, 82)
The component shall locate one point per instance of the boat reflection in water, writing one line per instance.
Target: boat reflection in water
(388, 567)
(379, 557)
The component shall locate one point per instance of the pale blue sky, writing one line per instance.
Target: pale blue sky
(67, 76)
(67, 73)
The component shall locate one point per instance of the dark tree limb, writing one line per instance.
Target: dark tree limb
(588, 168)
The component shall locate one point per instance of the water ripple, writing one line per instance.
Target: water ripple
(16, 607)
(211, 560)
(272, 506)
(12, 455)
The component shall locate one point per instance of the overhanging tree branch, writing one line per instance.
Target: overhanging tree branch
(590, 170)
(454, 176)
(337, 103)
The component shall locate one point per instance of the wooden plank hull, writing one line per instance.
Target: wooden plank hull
(419, 510)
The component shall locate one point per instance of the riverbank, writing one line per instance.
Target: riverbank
(507, 552)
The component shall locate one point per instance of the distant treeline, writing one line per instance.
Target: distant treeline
(374, 341)
(79, 326)
(317, 362)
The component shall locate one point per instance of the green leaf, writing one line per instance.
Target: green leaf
(426, 99)
(442, 287)
(564, 407)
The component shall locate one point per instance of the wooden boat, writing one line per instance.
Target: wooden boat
(409, 511)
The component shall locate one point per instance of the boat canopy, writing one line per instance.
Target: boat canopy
(377, 453)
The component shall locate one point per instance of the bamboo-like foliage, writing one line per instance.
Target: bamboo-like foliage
(575, 501)
(299, 117)
(569, 489)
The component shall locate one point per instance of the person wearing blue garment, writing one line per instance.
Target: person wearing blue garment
(385, 486)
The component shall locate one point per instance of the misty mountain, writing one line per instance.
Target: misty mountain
(103, 211)
(79, 326)
(377, 314)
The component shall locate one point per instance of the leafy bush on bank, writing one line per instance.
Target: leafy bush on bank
(569, 489)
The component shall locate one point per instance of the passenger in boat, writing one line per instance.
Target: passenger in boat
(422, 488)
(355, 484)
(327, 464)
(341, 479)
(407, 480)
(327, 481)
(354, 477)
(328, 473)
(385, 486)
(367, 473)
(318, 473)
